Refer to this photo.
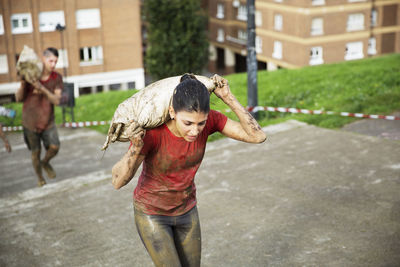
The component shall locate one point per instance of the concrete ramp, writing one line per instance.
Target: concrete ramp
(306, 197)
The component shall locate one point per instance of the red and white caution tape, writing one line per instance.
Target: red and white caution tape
(84, 124)
(318, 112)
(11, 128)
(67, 124)
(251, 109)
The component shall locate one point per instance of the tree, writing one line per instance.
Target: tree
(177, 40)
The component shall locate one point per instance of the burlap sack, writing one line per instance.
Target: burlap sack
(148, 108)
(29, 66)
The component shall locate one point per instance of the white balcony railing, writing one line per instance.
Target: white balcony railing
(236, 40)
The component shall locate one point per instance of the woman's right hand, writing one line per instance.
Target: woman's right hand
(137, 139)
(135, 134)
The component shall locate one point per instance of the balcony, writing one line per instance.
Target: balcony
(236, 40)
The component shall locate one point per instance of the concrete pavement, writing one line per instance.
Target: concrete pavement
(307, 197)
(79, 154)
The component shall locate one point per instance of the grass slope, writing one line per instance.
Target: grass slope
(370, 86)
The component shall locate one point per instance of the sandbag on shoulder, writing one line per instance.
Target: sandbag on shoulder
(29, 66)
(148, 108)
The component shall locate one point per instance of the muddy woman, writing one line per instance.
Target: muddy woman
(165, 197)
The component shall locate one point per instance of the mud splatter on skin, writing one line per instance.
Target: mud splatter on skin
(135, 153)
(254, 125)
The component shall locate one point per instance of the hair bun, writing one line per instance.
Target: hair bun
(188, 76)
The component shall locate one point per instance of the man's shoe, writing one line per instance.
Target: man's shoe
(41, 182)
(49, 170)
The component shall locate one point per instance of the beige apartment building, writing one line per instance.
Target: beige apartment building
(100, 48)
(297, 33)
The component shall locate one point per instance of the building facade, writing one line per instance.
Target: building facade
(99, 42)
(297, 33)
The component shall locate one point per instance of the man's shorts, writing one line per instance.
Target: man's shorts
(49, 137)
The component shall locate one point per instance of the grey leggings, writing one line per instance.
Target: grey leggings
(171, 240)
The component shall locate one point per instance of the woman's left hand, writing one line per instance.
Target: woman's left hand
(247, 129)
(222, 89)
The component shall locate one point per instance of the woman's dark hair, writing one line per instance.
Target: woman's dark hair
(50, 50)
(191, 95)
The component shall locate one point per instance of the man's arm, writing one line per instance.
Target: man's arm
(19, 95)
(53, 98)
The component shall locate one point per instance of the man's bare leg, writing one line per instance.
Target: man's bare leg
(37, 167)
(50, 153)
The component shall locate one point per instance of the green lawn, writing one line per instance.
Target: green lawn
(370, 86)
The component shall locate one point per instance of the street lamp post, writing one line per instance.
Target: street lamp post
(252, 100)
(68, 98)
(61, 29)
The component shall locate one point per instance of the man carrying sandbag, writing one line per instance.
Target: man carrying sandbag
(39, 97)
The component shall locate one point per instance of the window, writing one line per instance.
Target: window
(220, 35)
(354, 50)
(1, 25)
(316, 56)
(279, 1)
(242, 35)
(131, 85)
(258, 45)
(220, 11)
(258, 18)
(88, 18)
(356, 1)
(242, 13)
(277, 50)
(372, 46)
(21, 23)
(318, 2)
(3, 64)
(355, 22)
(62, 59)
(317, 26)
(49, 20)
(91, 55)
(374, 17)
(278, 22)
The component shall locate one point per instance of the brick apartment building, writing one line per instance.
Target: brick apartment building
(100, 48)
(297, 33)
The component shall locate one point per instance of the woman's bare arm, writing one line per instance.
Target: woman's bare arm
(124, 170)
(247, 130)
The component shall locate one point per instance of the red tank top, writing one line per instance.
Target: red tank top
(166, 184)
(38, 111)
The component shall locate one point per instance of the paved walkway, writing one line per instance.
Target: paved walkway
(307, 197)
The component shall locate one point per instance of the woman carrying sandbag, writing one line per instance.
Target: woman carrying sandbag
(165, 197)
